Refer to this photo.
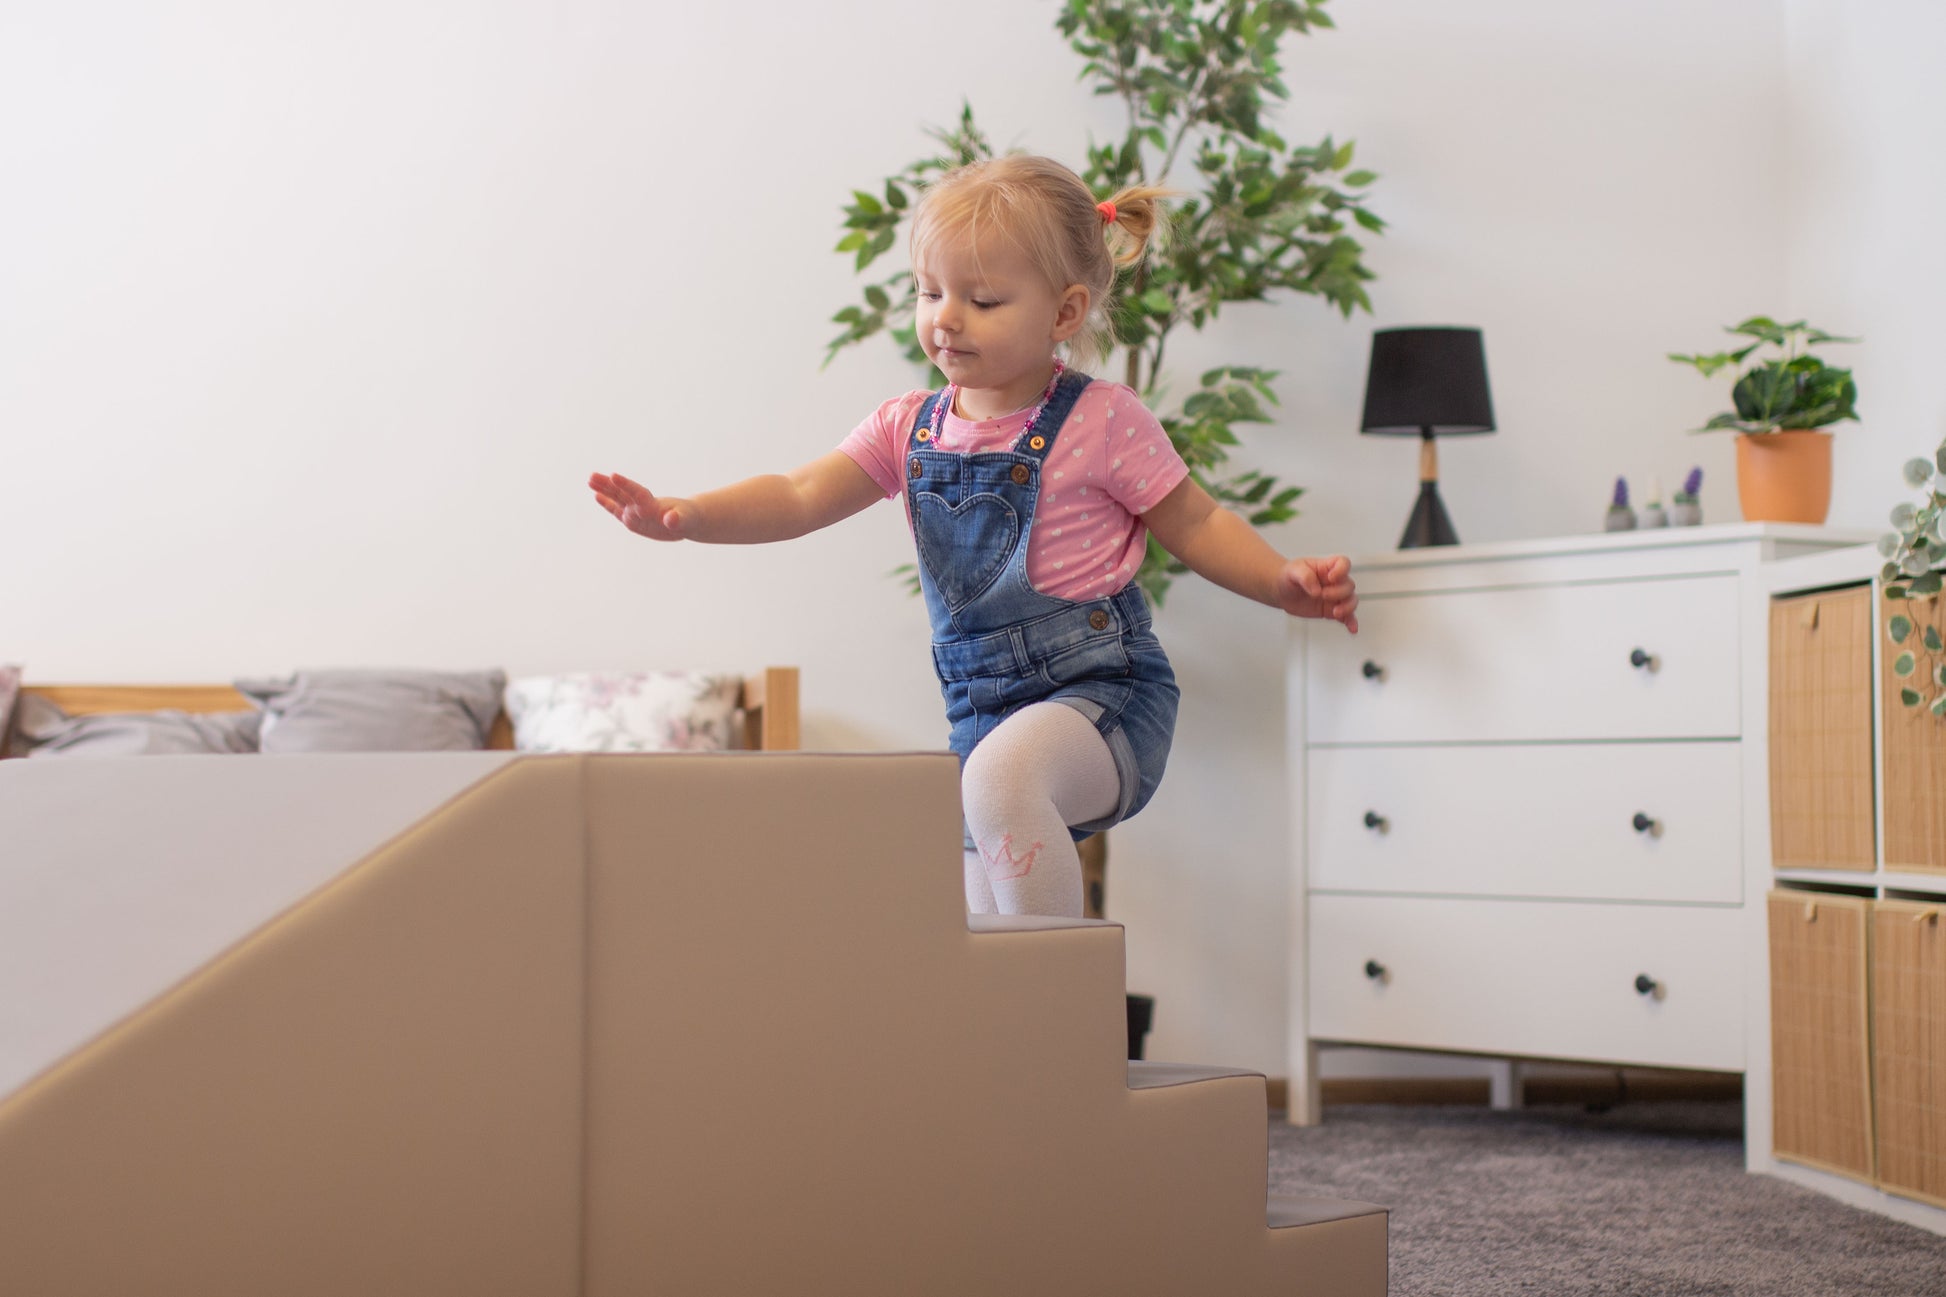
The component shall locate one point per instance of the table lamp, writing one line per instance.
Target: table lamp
(1432, 382)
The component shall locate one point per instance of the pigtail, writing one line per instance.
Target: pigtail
(1132, 217)
(1129, 222)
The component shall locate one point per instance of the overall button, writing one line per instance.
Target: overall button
(1019, 475)
(913, 470)
(1098, 619)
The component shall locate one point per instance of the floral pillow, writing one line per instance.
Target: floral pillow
(638, 711)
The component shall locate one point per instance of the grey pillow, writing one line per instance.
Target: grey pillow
(377, 710)
(44, 730)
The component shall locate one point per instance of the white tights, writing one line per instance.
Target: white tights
(1042, 769)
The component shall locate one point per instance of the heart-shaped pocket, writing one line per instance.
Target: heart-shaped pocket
(963, 547)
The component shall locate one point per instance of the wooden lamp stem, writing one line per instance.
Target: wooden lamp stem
(1428, 524)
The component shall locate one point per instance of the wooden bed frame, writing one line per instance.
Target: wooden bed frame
(768, 704)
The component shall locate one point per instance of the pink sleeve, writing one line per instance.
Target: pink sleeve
(1142, 463)
(877, 444)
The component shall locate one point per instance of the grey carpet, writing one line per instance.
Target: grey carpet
(1645, 1199)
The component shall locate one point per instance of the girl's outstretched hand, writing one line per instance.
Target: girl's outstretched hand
(636, 506)
(1319, 587)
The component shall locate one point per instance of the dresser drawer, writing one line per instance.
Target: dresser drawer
(1530, 978)
(1530, 820)
(1535, 663)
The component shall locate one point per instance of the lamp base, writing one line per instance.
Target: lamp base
(1428, 524)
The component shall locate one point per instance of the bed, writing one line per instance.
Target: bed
(765, 719)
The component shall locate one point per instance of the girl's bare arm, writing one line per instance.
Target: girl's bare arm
(775, 506)
(1223, 548)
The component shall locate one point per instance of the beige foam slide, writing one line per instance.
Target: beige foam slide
(683, 1024)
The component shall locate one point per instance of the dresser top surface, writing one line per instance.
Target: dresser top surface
(1748, 534)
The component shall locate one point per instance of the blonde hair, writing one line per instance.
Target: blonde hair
(1049, 213)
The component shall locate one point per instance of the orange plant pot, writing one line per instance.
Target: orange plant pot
(1784, 476)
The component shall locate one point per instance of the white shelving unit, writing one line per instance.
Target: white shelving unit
(1839, 569)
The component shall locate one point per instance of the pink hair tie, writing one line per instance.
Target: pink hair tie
(1107, 211)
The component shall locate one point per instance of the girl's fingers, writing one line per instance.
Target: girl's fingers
(635, 506)
(1346, 611)
(608, 490)
(1304, 578)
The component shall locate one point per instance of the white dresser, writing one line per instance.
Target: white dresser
(1518, 815)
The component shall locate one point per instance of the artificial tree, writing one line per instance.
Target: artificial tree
(1258, 217)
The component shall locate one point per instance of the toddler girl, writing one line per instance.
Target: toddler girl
(1031, 490)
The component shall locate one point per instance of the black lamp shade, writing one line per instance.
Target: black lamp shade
(1427, 380)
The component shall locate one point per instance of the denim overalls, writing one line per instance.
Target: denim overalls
(999, 644)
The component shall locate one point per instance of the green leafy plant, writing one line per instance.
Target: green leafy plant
(1915, 557)
(1260, 217)
(1791, 390)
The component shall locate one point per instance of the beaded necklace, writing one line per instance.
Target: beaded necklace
(951, 393)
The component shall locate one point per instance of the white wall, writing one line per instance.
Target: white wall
(1867, 190)
(314, 319)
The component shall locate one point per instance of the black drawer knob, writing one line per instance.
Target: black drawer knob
(1371, 670)
(1646, 985)
(1641, 658)
(1374, 970)
(1373, 820)
(1642, 822)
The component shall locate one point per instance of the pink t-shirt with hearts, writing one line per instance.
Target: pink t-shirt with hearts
(1110, 463)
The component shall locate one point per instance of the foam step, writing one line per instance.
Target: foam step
(1004, 923)
(1215, 1115)
(1318, 1246)
(1071, 971)
(1144, 1075)
(1336, 1245)
(1203, 1130)
(1290, 1211)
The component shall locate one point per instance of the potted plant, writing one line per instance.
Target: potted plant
(1784, 404)
(1620, 517)
(1261, 217)
(1688, 510)
(1915, 558)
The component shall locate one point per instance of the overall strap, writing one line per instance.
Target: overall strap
(1053, 416)
(923, 421)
